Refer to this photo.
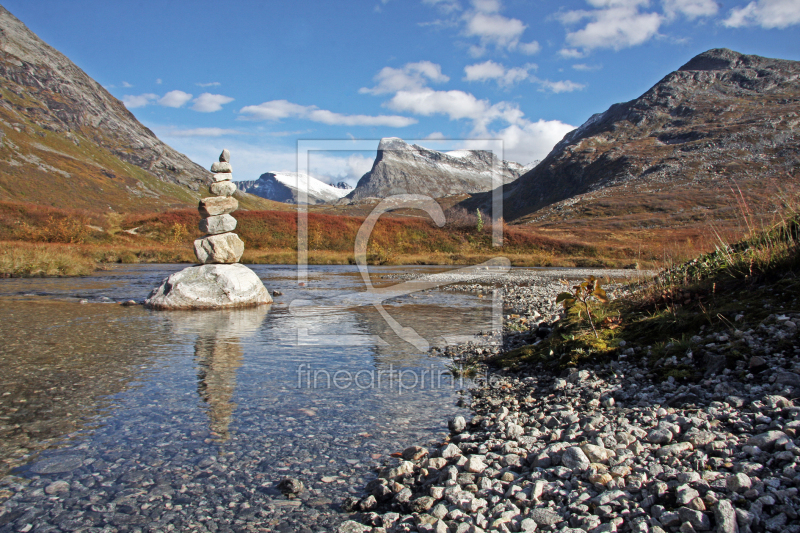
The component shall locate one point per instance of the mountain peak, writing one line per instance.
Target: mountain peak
(393, 143)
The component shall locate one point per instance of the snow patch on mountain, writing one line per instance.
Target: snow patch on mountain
(287, 187)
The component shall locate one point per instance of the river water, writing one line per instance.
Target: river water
(137, 420)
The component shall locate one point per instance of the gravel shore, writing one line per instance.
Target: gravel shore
(609, 447)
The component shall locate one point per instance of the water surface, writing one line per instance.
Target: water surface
(190, 418)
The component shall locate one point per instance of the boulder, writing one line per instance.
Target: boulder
(224, 248)
(217, 205)
(209, 287)
(215, 225)
(219, 177)
(221, 167)
(222, 188)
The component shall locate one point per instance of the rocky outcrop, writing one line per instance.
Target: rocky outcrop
(401, 168)
(723, 115)
(287, 187)
(52, 114)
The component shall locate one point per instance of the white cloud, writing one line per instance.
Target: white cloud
(330, 168)
(280, 109)
(445, 6)
(571, 53)
(210, 84)
(208, 103)
(436, 136)
(525, 142)
(586, 68)
(199, 132)
(174, 99)
(493, 29)
(411, 76)
(126, 85)
(768, 14)
(141, 100)
(158, 81)
(489, 70)
(691, 9)
(564, 86)
(456, 105)
(617, 24)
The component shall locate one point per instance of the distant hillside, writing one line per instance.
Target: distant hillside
(675, 155)
(400, 168)
(286, 187)
(65, 140)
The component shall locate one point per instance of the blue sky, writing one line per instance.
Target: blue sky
(256, 76)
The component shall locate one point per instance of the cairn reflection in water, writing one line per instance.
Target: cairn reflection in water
(218, 355)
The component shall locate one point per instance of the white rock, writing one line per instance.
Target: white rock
(218, 224)
(225, 248)
(225, 156)
(209, 287)
(222, 188)
(221, 167)
(475, 464)
(222, 177)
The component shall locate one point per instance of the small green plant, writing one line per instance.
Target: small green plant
(479, 225)
(581, 295)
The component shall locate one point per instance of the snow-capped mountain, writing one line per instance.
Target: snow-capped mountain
(401, 168)
(286, 187)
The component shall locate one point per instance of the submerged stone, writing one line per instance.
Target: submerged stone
(209, 287)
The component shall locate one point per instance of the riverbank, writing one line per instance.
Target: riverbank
(678, 415)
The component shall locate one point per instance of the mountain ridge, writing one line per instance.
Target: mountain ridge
(722, 116)
(64, 134)
(400, 168)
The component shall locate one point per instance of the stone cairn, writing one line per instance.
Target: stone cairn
(219, 281)
(220, 245)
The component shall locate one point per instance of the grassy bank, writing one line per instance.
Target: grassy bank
(723, 291)
(271, 238)
(26, 260)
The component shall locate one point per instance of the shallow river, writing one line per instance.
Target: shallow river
(140, 420)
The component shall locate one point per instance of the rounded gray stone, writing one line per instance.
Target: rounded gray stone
(225, 156)
(215, 225)
(222, 188)
(225, 248)
(209, 287)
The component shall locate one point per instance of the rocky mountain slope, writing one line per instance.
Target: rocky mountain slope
(401, 168)
(63, 136)
(286, 187)
(723, 120)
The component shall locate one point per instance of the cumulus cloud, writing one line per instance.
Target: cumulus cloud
(489, 70)
(411, 76)
(331, 168)
(585, 67)
(200, 132)
(524, 142)
(691, 9)
(493, 29)
(126, 85)
(563, 86)
(141, 100)
(174, 99)
(615, 24)
(768, 14)
(445, 6)
(281, 109)
(208, 103)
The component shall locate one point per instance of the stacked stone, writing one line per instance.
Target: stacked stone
(220, 244)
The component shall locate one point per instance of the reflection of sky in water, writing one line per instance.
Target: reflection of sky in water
(147, 380)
